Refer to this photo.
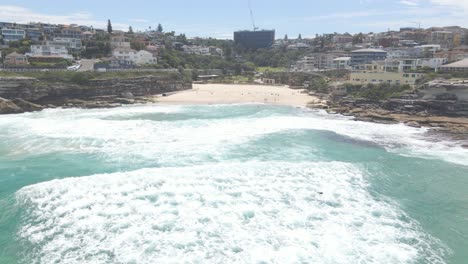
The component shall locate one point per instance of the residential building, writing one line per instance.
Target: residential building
(428, 50)
(120, 42)
(343, 39)
(154, 49)
(298, 46)
(35, 34)
(72, 44)
(71, 31)
(16, 59)
(198, 50)
(401, 53)
(317, 61)
(127, 54)
(378, 77)
(50, 51)
(459, 66)
(202, 50)
(216, 51)
(254, 39)
(50, 31)
(414, 64)
(453, 55)
(306, 64)
(12, 34)
(366, 56)
(342, 63)
(113, 63)
(389, 41)
(87, 35)
(401, 65)
(116, 63)
(443, 38)
(145, 57)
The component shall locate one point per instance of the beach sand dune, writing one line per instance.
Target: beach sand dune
(234, 94)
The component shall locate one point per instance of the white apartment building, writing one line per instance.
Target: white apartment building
(342, 63)
(49, 51)
(126, 54)
(144, 57)
(12, 34)
(414, 64)
(69, 43)
(378, 77)
(141, 57)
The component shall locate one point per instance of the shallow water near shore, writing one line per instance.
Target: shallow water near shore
(227, 184)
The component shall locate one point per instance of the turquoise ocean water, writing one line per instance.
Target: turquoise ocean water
(227, 184)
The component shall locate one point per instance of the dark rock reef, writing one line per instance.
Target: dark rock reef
(22, 94)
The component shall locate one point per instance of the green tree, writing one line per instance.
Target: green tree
(286, 37)
(160, 28)
(300, 37)
(182, 39)
(358, 39)
(130, 30)
(137, 45)
(109, 26)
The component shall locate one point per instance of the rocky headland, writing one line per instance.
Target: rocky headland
(441, 105)
(24, 94)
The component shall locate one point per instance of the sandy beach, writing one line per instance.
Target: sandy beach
(235, 93)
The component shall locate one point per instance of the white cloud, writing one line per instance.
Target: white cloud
(410, 3)
(461, 4)
(20, 14)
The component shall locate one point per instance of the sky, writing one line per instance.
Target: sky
(218, 19)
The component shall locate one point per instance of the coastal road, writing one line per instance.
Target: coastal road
(86, 65)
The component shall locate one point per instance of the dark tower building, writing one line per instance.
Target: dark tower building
(254, 39)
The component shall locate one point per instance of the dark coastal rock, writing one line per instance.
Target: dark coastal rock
(27, 106)
(36, 91)
(75, 101)
(127, 95)
(413, 124)
(124, 101)
(8, 107)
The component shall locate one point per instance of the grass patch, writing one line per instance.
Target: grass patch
(270, 69)
(83, 78)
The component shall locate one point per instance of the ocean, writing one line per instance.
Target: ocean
(227, 184)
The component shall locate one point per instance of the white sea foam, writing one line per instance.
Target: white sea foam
(231, 213)
(102, 132)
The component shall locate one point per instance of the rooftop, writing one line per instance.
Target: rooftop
(368, 50)
(458, 64)
(342, 58)
(124, 49)
(14, 54)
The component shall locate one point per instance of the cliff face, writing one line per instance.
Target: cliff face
(33, 90)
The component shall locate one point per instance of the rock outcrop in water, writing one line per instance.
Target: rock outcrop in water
(8, 107)
(441, 105)
(22, 94)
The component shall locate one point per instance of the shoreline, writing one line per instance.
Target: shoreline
(453, 128)
(209, 94)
